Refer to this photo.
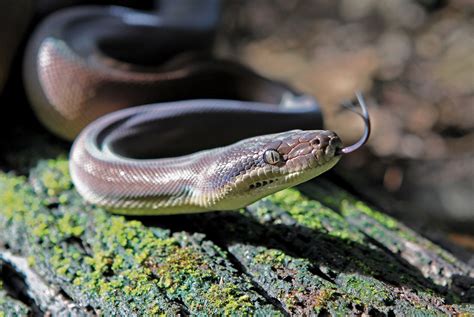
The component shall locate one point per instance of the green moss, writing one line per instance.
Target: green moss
(178, 271)
(41, 225)
(350, 206)
(314, 215)
(56, 176)
(15, 197)
(71, 225)
(292, 281)
(353, 208)
(270, 256)
(118, 261)
(385, 220)
(22, 205)
(230, 299)
(175, 271)
(366, 288)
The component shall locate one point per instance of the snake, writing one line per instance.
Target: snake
(159, 125)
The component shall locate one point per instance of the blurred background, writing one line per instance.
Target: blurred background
(414, 61)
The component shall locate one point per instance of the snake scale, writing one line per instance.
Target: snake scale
(204, 133)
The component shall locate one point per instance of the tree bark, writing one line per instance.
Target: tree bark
(312, 250)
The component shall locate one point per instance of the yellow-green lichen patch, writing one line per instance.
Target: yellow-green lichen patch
(71, 224)
(112, 270)
(120, 266)
(180, 270)
(314, 215)
(54, 176)
(339, 255)
(291, 281)
(43, 235)
(368, 289)
(349, 206)
(379, 226)
(270, 256)
(126, 254)
(15, 197)
(186, 274)
(230, 299)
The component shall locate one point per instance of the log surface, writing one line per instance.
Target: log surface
(316, 249)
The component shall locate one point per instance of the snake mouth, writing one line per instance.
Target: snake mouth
(338, 150)
(334, 148)
(263, 183)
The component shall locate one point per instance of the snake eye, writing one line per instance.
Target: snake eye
(272, 157)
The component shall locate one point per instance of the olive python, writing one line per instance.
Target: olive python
(203, 134)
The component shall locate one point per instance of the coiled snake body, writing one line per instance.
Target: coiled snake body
(229, 142)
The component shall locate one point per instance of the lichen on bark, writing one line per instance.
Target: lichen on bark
(316, 249)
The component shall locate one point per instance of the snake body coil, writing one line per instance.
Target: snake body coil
(227, 143)
(105, 171)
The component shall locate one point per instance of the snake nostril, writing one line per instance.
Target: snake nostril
(316, 141)
(335, 141)
(321, 141)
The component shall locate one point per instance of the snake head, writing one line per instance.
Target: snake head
(275, 162)
(278, 161)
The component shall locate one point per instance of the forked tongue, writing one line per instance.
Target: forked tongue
(365, 116)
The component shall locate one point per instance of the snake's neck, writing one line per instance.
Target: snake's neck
(122, 185)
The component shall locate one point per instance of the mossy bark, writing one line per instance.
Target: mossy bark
(314, 249)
